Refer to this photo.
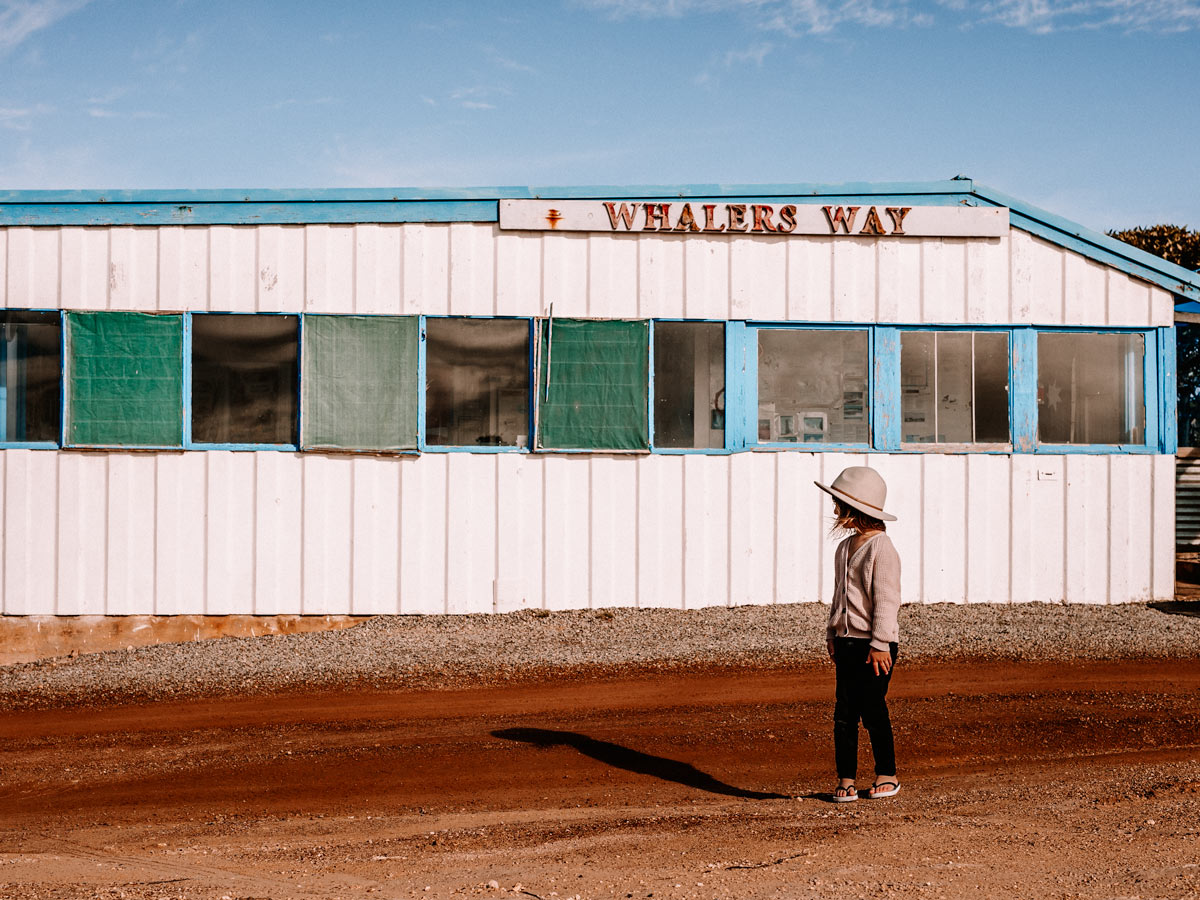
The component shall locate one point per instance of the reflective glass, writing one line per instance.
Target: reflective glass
(954, 387)
(689, 384)
(1090, 388)
(30, 375)
(244, 379)
(477, 382)
(812, 387)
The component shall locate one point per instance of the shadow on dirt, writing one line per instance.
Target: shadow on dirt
(1177, 607)
(632, 761)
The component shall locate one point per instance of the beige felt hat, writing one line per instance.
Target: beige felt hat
(863, 488)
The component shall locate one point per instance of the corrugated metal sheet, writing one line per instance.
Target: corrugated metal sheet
(1187, 503)
(218, 532)
(474, 269)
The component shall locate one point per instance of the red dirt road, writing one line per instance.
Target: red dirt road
(1046, 780)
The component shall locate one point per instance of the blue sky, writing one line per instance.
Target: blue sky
(1089, 108)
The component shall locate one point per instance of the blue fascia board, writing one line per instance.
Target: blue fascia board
(1184, 283)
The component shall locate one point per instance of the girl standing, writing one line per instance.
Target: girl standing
(862, 633)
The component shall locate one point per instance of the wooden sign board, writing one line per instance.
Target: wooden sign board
(710, 217)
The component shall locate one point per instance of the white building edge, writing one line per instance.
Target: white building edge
(205, 530)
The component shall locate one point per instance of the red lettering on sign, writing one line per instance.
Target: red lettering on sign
(737, 216)
(898, 213)
(787, 219)
(762, 217)
(659, 211)
(710, 210)
(840, 219)
(872, 225)
(625, 215)
(687, 222)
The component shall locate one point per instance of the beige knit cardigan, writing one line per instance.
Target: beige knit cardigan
(866, 591)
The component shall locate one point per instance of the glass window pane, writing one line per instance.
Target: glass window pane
(30, 375)
(125, 385)
(244, 372)
(594, 385)
(359, 388)
(1090, 388)
(689, 384)
(954, 387)
(812, 386)
(477, 382)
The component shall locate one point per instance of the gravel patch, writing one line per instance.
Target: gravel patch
(455, 651)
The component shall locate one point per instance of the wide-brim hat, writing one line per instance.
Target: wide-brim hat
(862, 488)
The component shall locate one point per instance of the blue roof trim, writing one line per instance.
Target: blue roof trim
(479, 204)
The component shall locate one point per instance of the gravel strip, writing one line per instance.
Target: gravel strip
(455, 651)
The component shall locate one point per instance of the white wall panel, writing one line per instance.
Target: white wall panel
(1087, 529)
(328, 533)
(810, 280)
(471, 532)
(660, 276)
(4, 301)
(280, 269)
(375, 575)
(1161, 528)
(943, 528)
(758, 278)
(899, 263)
(83, 538)
(854, 281)
(473, 270)
(568, 532)
(33, 267)
(904, 474)
(518, 276)
(4, 512)
(130, 534)
(660, 532)
(612, 277)
(988, 528)
(426, 269)
(1046, 290)
(706, 278)
(181, 534)
(944, 281)
(565, 276)
(613, 530)
(519, 532)
(1084, 291)
(752, 528)
(423, 535)
(377, 269)
(233, 279)
(229, 537)
(279, 519)
(987, 280)
(133, 268)
(183, 267)
(705, 531)
(329, 269)
(84, 268)
(800, 534)
(30, 532)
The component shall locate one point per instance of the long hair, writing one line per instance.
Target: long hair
(847, 520)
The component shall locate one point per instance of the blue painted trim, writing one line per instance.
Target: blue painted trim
(691, 451)
(273, 447)
(34, 445)
(885, 408)
(1094, 449)
(741, 386)
(650, 384)
(1022, 381)
(1168, 391)
(422, 384)
(1094, 245)
(187, 379)
(1151, 400)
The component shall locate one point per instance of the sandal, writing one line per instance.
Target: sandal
(892, 789)
(848, 794)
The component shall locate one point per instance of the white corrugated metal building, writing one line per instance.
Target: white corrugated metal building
(413, 411)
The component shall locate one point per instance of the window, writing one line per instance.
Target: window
(124, 379)
(477, 382)
(1090, 388)
(954, 387)
(30, 376)
(812, 386)
(594, 383)
(359, 388)
(689, 384)
(244, 379)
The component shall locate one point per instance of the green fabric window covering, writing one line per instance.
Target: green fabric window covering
(359, 382)
(593, 385)
(125, 379)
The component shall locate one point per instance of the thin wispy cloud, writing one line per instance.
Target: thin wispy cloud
(479, 96)
(818, 17)
(504, 62)
(20, 118)
(21, 18)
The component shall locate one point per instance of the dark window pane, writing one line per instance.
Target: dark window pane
(1090, 388)
(477, 382)
(689, 384)
(954, 387)
(30, 375)
(812, 386)
(244, 379)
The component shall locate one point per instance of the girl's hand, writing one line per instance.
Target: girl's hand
(880, 661)
(829, 646)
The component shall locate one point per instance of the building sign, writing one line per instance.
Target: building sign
(703, 217)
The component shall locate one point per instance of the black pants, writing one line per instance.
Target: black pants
(861, 694)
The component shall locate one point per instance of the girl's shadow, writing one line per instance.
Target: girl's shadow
(632, 761)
